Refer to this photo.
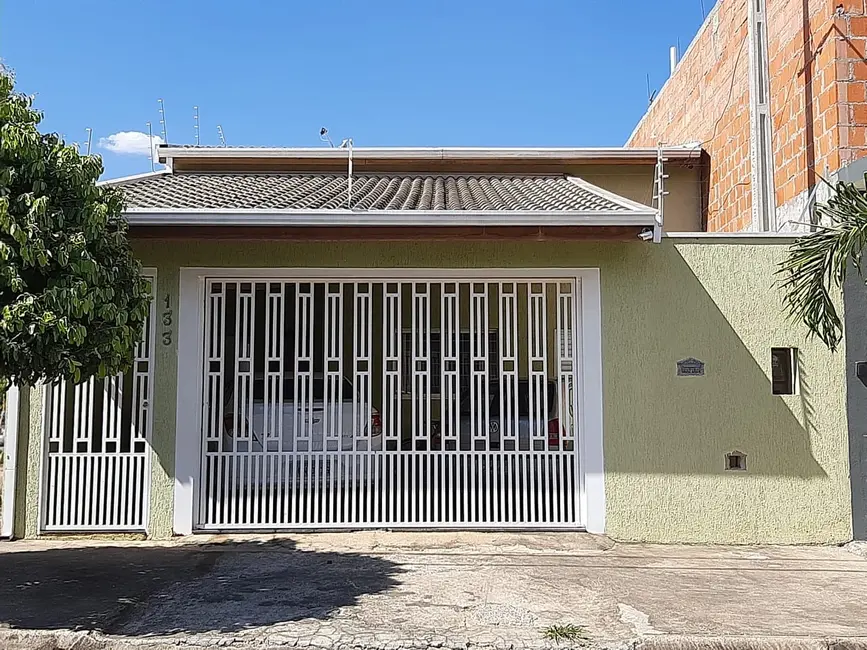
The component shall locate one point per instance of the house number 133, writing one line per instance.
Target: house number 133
(167, 320)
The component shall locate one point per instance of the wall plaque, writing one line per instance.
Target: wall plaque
(690, 368)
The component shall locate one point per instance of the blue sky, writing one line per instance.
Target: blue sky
(384, 72)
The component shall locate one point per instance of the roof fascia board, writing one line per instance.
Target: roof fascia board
(342, 212)
(430, 153)
(417, 218)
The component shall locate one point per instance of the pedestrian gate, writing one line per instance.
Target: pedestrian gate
(431, 403)
(96, 466)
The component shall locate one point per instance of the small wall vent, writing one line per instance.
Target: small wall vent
(736, 461)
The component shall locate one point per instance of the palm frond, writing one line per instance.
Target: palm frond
(817, 263)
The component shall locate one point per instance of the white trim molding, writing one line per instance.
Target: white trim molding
(168, 152)
(354, 218)
(589, 399)
(590, 394)
(10, 460)
(191, 305)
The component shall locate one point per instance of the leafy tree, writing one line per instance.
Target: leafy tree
(72, 300)
(817, 263)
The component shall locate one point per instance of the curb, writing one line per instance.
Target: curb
(89, 640)
(691, 642)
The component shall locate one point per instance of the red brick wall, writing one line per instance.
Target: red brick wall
(851, 74)
(801, 53)
(818, 108)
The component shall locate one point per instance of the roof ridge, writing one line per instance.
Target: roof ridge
(132, 178)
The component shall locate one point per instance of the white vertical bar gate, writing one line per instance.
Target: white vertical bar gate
(96, 469)
(417, 402)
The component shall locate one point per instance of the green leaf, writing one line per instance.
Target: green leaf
(813, 274)
(69, 281)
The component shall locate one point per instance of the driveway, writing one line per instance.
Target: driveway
(389, 590)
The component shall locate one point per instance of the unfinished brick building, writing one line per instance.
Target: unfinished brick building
(811, 62)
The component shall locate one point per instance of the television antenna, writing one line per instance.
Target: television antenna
(347, 144)
(323, 135)
(151, 144)
(163, 129)
(196, 126)
(651, 95)
(222, 137)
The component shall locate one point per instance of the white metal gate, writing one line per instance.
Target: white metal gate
(96, 467)
(390, 403)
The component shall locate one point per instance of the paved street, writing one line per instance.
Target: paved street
(389, 590)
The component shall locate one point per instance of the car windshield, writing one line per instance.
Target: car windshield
(289, 389)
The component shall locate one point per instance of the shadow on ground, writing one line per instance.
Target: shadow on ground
(186, 589)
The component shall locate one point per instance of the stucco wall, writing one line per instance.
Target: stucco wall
(29, 450)
(855, 300)
(665, 438)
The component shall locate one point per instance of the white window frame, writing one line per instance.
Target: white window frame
(589, 403)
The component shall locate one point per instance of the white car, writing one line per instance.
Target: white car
(367, 438)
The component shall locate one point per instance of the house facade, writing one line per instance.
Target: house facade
(445, 339)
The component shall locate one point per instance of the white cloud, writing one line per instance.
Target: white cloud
(133, 143)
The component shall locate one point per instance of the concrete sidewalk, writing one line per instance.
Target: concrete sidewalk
(418, 590)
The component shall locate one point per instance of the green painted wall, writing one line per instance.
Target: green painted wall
(164, 398)
(665, 437)
(29, 453)
(855, 296)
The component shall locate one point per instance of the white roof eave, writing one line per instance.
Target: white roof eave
(168, 152)
(413, 218)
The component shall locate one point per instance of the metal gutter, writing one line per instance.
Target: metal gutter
(416, 218)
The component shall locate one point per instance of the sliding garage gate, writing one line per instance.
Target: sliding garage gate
(96, 466)
(389, 403)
